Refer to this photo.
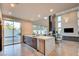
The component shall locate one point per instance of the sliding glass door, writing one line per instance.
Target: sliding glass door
(17, 32)
(12, 32)
(8, 32)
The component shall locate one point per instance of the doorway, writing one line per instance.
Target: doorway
(12, 32)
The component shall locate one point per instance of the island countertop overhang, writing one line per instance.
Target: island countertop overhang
(41, 37)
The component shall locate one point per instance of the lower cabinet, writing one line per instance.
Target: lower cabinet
(41, 46)
(27, 40)
(45, 46)
(30, 41)
(34, 43)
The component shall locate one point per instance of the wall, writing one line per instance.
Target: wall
(69, 20)
(26, 28)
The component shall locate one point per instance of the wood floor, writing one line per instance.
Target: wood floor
(63, 48)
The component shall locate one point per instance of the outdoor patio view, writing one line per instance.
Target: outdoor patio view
(12, 32)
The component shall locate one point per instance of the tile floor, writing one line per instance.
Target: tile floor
(63, 48)
(66, 48)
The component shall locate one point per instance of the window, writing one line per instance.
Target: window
(59, 24)
(59, 18)
(39, 30)
(78, 22)
(78, 19)
(78, 14)
(59, 30)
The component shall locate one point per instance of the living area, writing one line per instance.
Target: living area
(42, 29)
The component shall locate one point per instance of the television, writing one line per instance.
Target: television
(68, 30)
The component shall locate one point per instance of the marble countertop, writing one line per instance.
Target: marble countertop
(40, 37)
(30, 35)
(44, 37)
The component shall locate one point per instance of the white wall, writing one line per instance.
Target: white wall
(69, 20)
(26, 28)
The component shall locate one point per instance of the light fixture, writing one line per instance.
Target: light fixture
(10, 13)
(31, 19)
(12, 5)
(39, 15)
(45, 17)
(51, 10)
(66, 20)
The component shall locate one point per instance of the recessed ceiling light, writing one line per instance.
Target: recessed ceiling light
(39, 15)
(66, 20)
(12, 5)
(51, 10)
(10, 13)
(45, 17)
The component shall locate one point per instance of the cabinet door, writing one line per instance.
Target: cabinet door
(28, 40)
(34, 43)
(41, 47)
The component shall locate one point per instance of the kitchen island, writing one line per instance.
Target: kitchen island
(43, 44)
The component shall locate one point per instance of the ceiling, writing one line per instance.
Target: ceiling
(30, 11)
